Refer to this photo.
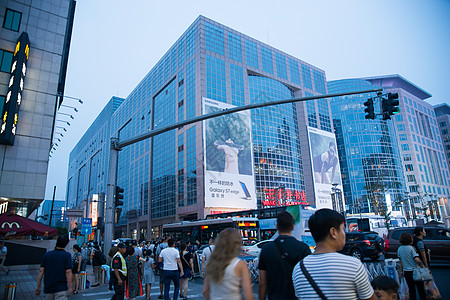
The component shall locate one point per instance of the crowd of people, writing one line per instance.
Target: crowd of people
(287, 268)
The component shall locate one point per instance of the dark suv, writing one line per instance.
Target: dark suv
(363, 244)
(437, 241)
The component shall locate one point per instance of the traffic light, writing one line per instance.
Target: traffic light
(369, 109)
(118, 196)
(390, 106)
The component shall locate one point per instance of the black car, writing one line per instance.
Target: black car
(363, 244)
(437, 241)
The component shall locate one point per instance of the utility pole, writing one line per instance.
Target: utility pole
(53, 202)
(111, 185)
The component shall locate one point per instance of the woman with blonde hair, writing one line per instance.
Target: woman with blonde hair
(226, 275)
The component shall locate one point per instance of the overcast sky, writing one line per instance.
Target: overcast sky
(116, 43)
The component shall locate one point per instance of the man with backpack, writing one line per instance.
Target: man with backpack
(277, 260)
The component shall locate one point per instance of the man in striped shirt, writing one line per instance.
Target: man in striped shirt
(336, 275)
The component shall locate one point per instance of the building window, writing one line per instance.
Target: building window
(407, 157)
(444, 132)
(442, 124)
(12, 20)
(411, 178)
(5, 61)
(402, 137)
(405, 147)
(409, 168)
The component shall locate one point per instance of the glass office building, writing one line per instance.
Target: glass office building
(424, 163)
(163, 177)
(368, 149)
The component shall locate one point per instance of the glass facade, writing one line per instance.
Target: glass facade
(164, 155)
(276, 147)
(367, 149)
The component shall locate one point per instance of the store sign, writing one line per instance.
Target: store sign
(13, 98)
(246, 224)
(3, 207)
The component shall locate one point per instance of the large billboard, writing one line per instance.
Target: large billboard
(325, 168)
(228, 157)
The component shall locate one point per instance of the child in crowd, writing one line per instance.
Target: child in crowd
(385, 288)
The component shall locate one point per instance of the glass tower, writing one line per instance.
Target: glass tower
(371, 165)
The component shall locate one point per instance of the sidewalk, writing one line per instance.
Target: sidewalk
(26, 277)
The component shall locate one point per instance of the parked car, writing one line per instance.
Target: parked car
(437, 241)
(363, 244)
(254, 249)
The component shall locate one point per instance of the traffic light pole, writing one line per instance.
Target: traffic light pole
(117, 146)
(111, 185)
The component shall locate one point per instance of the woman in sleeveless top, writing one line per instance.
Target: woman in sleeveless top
(226, 275)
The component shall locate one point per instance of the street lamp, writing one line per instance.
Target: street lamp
(68, 106)
(66, 115)
(68, 124)
(78, 99)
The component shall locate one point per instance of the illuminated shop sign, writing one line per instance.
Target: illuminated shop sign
(246, 224)
(13, 99)
(283, 197)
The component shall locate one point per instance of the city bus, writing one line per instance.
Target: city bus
(203, 230)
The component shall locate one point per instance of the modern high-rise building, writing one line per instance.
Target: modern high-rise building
(258, 158)
(34, 48)
(425, 166)
(371, 165)
(442, 112)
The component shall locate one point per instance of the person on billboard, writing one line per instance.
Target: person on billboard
(324, 162)
(231, 151)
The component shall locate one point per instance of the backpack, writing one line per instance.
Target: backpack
(102, 258)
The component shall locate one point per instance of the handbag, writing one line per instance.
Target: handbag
(403, 291)
(422, 274)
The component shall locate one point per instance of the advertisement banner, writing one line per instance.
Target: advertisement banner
(229, 179)
(325, 168)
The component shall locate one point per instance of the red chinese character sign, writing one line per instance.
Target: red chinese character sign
(283, 197)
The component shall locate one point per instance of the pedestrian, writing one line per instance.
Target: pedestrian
(277, 260)
(420, 247)
(335, 275)
(76, 267)
(133, 286)
(137, 250)
(119, 276)
(159, 265)
(171, 259)
(206, 254)
(56, 268)
(96, 264)
(85, 253)
(226, 276)
(385, 288)
(148, 276)
(110, 256)
(410, 260)
(3, 253)
(187, 260)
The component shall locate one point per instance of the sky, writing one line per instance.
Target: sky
(115, 43)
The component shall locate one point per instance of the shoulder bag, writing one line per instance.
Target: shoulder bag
(311, 281)
(422, 274)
